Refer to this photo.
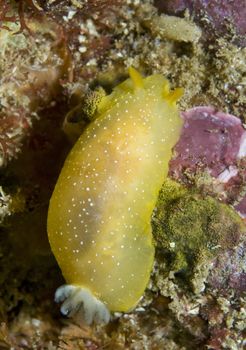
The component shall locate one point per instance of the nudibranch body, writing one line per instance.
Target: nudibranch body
(99, 220)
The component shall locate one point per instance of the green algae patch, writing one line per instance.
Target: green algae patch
(190, 229)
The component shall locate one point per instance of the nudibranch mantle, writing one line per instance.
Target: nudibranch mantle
(99, 219)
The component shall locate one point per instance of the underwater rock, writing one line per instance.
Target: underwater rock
(201, 265)
(210, 140)
(99, 48)
(31, 67)
(229, 271)
(212, 143)
(241, 207)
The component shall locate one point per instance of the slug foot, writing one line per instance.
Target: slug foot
(81, 304)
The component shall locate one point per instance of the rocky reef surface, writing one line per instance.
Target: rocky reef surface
(53, 55)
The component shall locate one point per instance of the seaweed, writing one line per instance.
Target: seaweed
(6, 7)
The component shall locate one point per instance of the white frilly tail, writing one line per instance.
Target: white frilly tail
(81, 304)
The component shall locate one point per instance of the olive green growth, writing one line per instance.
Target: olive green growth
(190, 229)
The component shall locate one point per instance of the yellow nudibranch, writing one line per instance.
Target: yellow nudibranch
(99, 220)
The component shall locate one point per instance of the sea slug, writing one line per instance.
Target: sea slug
(99, 219)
